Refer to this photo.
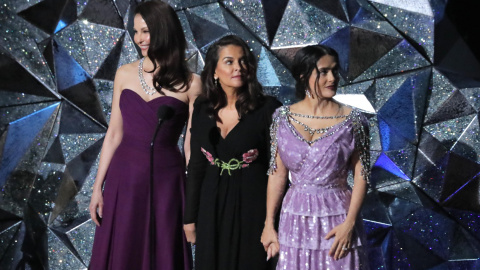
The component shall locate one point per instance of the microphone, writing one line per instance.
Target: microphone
(164, 113)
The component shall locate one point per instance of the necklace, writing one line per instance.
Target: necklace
(146, 88)
(309, 129)
(318, 117)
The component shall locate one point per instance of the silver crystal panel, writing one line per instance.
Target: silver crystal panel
(400, 59)
(419, 27)
(251, 14)
(301, 24)
(420, 6)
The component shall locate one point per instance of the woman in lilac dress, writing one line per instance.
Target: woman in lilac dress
(317, 141)
(134, 231)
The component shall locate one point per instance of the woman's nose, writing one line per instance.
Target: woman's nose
(331, 76)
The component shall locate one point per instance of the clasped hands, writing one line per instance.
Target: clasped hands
(340, 247)
(190, 233)
(269, 241)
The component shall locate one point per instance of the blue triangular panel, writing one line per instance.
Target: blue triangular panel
(387, 164)
(399, 110)
(61, 24)
(265, 72)
(69, 72)
(389, 136)
(341, 42)
(21, 134)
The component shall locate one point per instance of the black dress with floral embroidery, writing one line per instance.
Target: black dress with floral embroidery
(227, 187)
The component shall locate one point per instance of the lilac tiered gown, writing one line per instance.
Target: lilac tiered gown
(319, 197)
(122, 241)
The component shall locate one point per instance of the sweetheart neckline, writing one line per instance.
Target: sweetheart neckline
(148, 101)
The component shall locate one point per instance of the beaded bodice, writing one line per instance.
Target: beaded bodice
(325, 158)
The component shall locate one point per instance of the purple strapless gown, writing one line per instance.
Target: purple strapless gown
(122, 241)
(318, 198)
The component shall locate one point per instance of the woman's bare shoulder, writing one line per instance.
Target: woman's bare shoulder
(126, 73)
(346, 109)
(195, 86)
(297, 106)
(128, 68)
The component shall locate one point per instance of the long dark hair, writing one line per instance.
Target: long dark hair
(249, 97)
(167, 46)
(305, 62)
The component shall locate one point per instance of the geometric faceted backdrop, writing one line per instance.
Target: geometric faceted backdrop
(412, 65)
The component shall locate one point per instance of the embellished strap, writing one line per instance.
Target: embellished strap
(362, 143)
(282, 111)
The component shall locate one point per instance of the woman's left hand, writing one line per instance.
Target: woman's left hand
(342, 242)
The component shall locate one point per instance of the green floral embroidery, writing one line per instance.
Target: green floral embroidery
(233, 164)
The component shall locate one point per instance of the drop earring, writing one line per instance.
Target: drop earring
(307, 93)
(216, 81)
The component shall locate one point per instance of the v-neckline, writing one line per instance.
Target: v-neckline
(219, 130)
(299, 135)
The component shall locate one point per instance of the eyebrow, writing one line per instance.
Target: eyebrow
(327, 68)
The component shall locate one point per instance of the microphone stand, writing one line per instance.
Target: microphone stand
(163, 113)
(152, 210)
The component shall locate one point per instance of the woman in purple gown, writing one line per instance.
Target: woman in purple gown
(126, 237)
(317, 141)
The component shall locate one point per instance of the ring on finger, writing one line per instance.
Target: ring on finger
(344, 248)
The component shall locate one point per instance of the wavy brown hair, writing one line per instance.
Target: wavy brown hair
(167, 46)
(249, 97)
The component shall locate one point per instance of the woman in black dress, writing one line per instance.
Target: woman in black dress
(230, 152)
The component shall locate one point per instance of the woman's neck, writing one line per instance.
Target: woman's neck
(320, 106)
(231, 98)
(148, 64)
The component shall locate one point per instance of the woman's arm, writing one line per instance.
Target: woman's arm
(343, 232)
(196, 172)
(112, 139)
(193, 92)
(275, 189)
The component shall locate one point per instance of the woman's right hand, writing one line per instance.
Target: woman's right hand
(269, 240)
(190, 232)
(96, 206)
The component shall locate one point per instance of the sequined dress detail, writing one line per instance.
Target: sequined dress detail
(319, 196)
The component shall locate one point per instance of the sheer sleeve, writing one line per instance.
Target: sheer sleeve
(272, 105)
(273, 139)
(362, 142)
(196, 168)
